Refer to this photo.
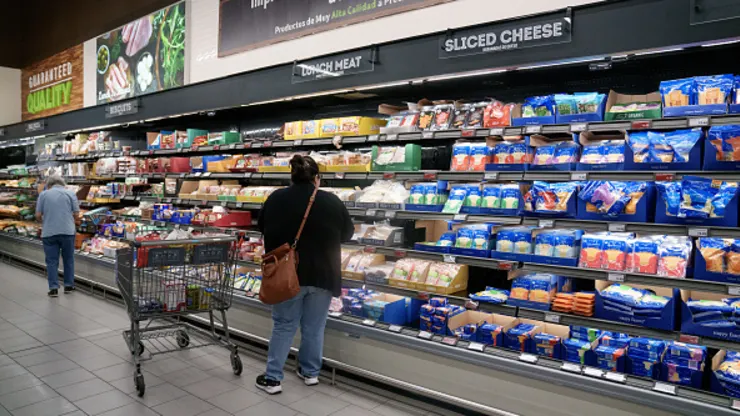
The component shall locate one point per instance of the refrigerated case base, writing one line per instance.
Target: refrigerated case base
(493, 382)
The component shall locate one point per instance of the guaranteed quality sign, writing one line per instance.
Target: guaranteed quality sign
(527, 33)
(53, 85)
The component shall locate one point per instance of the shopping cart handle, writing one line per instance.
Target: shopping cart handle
(205, 240)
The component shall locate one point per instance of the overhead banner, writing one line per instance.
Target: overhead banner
(520, 34)
(142, 57)
(53, 86)
(252, 24)
(335, 66)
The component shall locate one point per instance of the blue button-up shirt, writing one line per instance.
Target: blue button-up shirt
(58, 206)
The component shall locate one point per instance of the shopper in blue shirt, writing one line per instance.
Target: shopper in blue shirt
(57, 208)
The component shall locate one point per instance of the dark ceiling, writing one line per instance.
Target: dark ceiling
(35, 29)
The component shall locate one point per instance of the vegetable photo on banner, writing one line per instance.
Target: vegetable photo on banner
(171, 49)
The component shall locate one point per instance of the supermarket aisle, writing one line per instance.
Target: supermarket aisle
(67, 356)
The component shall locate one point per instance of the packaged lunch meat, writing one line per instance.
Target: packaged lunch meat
(442, 117)
(497, 114)
(426, 117)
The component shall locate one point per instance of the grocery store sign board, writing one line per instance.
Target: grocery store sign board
(251, 24)
(142, 57)
(125, 108)
(53, 86)
(35, 126)
(335, 66)
(522, 33)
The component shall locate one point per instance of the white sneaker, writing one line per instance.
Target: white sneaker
(309, 381)
(268, 386)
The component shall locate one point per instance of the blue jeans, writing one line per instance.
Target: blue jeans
(52, 246)
(309, 308)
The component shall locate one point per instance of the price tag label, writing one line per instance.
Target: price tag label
(240, 204)
(339, 175)
(698, 232)
(224, 203)
(476, 346)
(399, 253)
(461, 217)
(616, 377)
(335, 314)
(425, 335)
(389, 175)
(641, 124)
(430, 176)
(665, 176)
(578, 176)
(665, 388)
(390, 214)
(368, 322)
(217, 147)
(571, 368)
(247, 145)
(689, 339)
(528, 358)
(370, 213)
(395, 328)
(451, 341)
(735, 404)
(449, 258)
(579, 127)
(593, 372)
(617, 227)
(232, 146)
(198, 174)
(615, 277)
(427, 135)
(178, 201)
(698, 121)
(206, 174)
(733, 290)
(553, 318)
(533, 130)
(267, 144)
(546, 223)
(391, 137)
(298, 142)
(490, 176)
(204, 203)
(505, 265)
(372, 138)
(467, 133)
(496, 132)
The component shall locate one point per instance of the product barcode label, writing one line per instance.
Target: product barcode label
(532, 129)
(617, 227)
(578, 176)
(368, 322)
(546, 223)
(451, 341)
(593, 372)
(449, 259)
(490, 176)
(577, 128)
(665, 388)
(335, 314)
(395, 328)
(461, 217)
(698, 121)
(496, 132)
(689, 339)
(571, 368)
(615, 277)
(617, 377)
(476, 346)
(733, 290)
(698, 232)
(528, 358)
(553, 318)
(425, 335)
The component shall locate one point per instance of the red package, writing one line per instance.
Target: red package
(497, 114)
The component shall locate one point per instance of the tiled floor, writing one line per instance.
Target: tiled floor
(66, 356)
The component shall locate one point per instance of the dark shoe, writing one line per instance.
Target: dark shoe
(69, 289)
(309, 381)
(268, 386)
(53, 293)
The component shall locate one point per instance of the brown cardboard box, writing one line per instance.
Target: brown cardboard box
(188, 190)
(617, 98)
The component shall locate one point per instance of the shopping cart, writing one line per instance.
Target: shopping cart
(165, 281)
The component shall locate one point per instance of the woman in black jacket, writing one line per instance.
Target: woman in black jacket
(319, 269)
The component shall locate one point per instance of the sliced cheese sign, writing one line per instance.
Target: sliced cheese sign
(524, 33)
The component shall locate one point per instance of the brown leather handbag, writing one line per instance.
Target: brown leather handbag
(280, 268)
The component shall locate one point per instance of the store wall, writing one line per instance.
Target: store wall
(10, 95)
(205, 63)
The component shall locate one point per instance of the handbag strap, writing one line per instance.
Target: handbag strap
(305, 217)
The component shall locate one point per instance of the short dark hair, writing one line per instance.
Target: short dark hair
(303, 169)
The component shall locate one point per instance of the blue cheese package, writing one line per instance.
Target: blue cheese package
(585, 333)
(539, 106)
(546, 344)
(678, 93)
(491, 295)
(575, 350)
(488, 333)
(715, 89)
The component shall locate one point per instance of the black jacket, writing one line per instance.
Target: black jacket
(319, 248)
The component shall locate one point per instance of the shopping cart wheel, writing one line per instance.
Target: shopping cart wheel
(236, 364)
(140, 349)
(140, 386)
(183, 340)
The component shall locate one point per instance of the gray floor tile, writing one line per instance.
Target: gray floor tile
(18, 399)
(29, 351)
(84, 389)
(236, 400)
(11, 370)
(68, 378)
(210, 387)
(133, 409)
(267, 407)
(115, 372)
(20, 347)
(359, 399)
(186, 376)
(39, 358)
(17, 383)
(215, 412)
(398, 409)
(207, 362)
(5, 360)
(184, 406)
(319, 404)
(156, 395)
(353, 410)
(4, 412)
(52, 407)
(165, 365)
(81, 354)
(127, 386)
(104, 402)
(52, 367)
(99, 361)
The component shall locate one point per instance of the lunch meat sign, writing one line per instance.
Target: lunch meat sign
(53, 86)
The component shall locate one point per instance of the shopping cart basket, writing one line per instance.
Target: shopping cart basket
(165, 281)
